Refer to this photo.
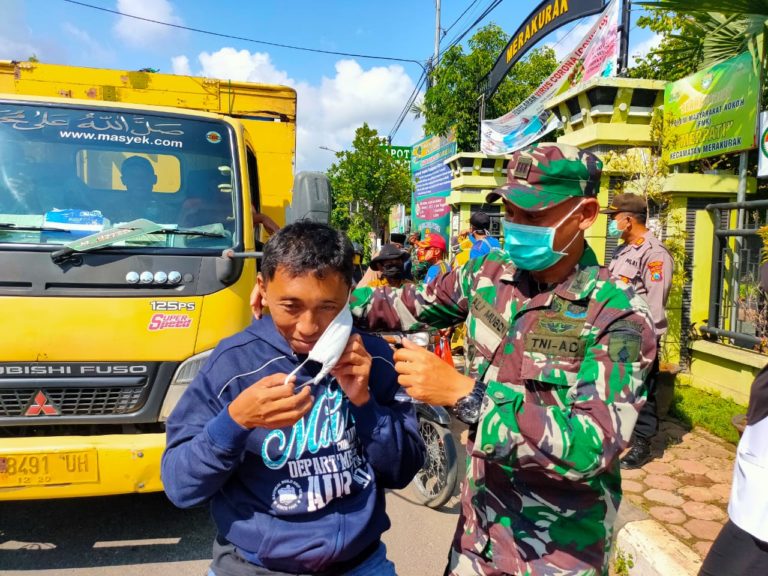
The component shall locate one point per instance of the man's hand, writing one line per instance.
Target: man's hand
(353, 370)
(257, 302)
(270, 403)
(428, 378)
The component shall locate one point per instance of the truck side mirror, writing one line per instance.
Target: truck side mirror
(311, 198)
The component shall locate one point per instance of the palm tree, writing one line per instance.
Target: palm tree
(727, 28)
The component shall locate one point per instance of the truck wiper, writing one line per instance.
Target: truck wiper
(184, 232)
(127, 231)
(106, 238)
(9, 226)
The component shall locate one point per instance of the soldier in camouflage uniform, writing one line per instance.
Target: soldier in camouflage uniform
(556, 357)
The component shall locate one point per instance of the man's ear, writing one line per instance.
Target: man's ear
(590, 208)
(258, 296)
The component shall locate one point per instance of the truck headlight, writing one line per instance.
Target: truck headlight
(181, 379)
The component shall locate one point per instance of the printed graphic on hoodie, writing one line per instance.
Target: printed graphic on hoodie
(322, 454)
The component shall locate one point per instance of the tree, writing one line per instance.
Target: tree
(672, 58)
(453, 97)
(718, 30)
(366, 182)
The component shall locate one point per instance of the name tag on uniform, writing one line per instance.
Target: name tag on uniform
(486, 314)
(554, 345)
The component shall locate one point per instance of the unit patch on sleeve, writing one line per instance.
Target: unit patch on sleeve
(624, 346)
(656, 269)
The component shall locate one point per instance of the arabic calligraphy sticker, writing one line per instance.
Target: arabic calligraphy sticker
(213, 137)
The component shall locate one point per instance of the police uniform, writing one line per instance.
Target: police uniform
(646, 265)
(563, 368)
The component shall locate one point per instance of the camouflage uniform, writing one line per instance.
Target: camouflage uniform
(564, 368)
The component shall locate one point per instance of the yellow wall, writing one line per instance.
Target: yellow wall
(727, 370)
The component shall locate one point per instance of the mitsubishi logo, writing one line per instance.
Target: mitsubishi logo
(41, 405)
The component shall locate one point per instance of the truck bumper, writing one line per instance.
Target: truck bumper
(74, 466)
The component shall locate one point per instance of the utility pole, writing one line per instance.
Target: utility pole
(624, 39)
(436, 58)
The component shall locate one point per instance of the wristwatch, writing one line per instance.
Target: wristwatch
(467, 408)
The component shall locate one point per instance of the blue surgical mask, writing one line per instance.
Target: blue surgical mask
(613, 229)
(532, 247)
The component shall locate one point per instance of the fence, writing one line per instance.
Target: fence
(738, 305)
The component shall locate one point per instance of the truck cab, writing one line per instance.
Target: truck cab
(126, 204)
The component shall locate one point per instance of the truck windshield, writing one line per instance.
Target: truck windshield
(66, 173)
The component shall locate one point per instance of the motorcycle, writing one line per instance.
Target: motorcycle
(435, 482)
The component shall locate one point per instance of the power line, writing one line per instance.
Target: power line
(404, 112)
(411, 99)
(491, 7)
(244, 39)
(445, 32)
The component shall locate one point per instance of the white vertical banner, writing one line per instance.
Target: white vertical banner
(762, 147)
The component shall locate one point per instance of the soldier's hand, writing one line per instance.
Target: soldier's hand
(428, 378)
(353, 370)
(271, 403)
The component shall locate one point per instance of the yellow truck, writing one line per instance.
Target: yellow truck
(127, 252)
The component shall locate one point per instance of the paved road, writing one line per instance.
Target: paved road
(145, 535)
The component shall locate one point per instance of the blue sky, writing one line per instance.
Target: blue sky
(336, 93)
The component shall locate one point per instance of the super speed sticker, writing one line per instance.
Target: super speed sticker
(168, 321)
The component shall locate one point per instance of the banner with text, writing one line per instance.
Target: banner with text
(713, 111)
(595, 56)
(430, 211)
(762, 164)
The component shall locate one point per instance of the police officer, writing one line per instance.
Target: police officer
(643, 262)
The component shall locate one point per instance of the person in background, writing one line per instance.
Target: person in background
(642, 262)
(390, 264)
(432, 250)
(482, 241)
(357, 262)
(140, 201)
(399, 240)
(741, 548)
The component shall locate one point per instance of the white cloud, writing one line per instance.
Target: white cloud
(180, 65)
(641, 49)
(242, 65)
(140, 33)
(328, 112)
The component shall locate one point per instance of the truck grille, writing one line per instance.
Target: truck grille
(76, 401)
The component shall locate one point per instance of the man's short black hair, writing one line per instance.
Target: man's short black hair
(308, 247)
(641, 217)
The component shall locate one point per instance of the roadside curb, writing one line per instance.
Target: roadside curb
(654, 551)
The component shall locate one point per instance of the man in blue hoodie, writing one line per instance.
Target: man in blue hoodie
(295, 470)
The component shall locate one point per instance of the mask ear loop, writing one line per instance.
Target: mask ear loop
(563, 219)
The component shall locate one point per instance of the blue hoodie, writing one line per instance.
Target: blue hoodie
(295, 499)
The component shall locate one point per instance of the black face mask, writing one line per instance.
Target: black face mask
(393, 271)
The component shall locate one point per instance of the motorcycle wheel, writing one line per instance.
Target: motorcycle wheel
(433, 485)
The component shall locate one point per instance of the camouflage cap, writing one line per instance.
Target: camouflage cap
(538, 177)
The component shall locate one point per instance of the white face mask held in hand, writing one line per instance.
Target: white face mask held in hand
(329, 347)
